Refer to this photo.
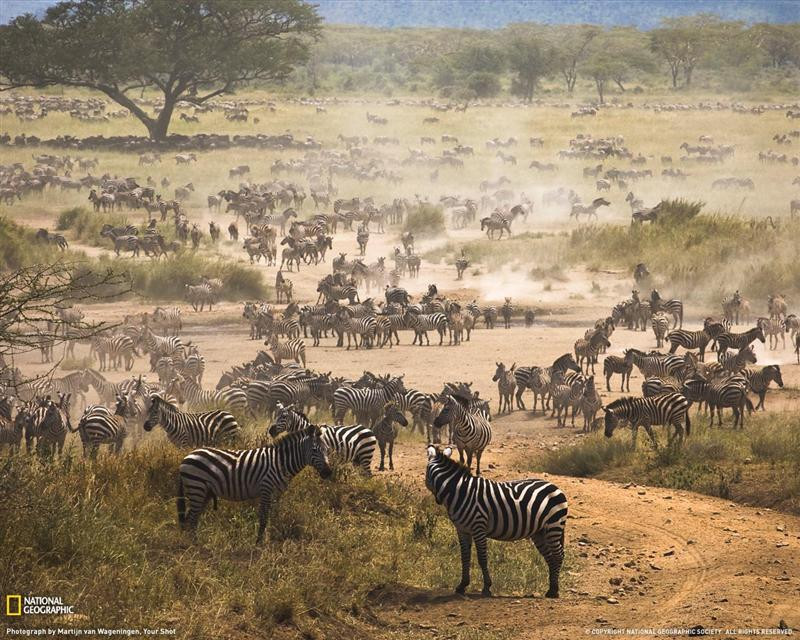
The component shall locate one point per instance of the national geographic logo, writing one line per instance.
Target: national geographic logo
(18, 605)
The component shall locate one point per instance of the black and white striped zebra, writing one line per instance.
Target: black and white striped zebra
(728, 393)
(170, 346)
(421, 323)
(190, 429)
(506, 386)
(622, 366)
(200, 296)
(729, 340)
(386, 431)
(587, 349)
(507, 310)
(657, 364)
(75, 384)
(758, 380)
(228, 398)
(354, 444)
(482, 509)
(673, 307)
(655, 386)
(668, 409)
(366, 404)
(11, 431)
(207, 474)
(396, 295)
(660, 324)
(192, 366)
(48, 423)
(116, 349)
(590, 404)
(420, 406)
(565, 392)
(694, 339)
(289, 350)
(732, 363)
(98, 425)
(168, 319)
(365, 327)
(470, 430)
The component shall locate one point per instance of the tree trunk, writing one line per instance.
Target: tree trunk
(619, 84)
(674, 71)
(687, 74)
(158, 128)
(600, 84)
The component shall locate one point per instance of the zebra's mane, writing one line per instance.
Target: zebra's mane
(453, 464)
(287, 440)
(620, 402)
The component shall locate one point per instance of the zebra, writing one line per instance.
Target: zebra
(420, 406)
(731, 363)
(193, 366)
(655, 385)
(773, 328)
(365, 404)
(655, 364)
(522, 378)
(587, 349)
(758, 381)
(673, 307)
(117, 349)
(168, 319)
(731, 392)
(590, 404)
(623, 366)
(200, 295)
(246, 474)
(668, 409)
(565, 392)
(396, 295)
(660, 323)
(291, 350)
(366, 327)
(228, 398)
(455, 323)
(190, 429)
(353, 444)
(694, 339)
(386, 431)
(99, 426)
(76, 384)
(481, 509)
(171, 346)
(11, 431)
(506, 385)
(470, 430)
(489, 317)
(48, 423)
(491, 225)
(540, 378)
(506, 311)
(422, 323)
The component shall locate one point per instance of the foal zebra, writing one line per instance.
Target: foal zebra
(587, 349)
(729, 340)
(190, 429)
(623, 366)
(481, 509)
(666, 409)
(506, 385)
(759, 380)
(471, 431)
(207, 474)
(421, 323)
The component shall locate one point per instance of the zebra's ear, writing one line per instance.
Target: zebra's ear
(448, 451)
(431, 452)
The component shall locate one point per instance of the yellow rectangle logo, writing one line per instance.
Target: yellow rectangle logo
(13, 605)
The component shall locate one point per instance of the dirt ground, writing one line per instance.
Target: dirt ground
(646, 557)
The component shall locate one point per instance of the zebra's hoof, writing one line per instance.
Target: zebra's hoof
(460, 589)
(552, 593)
(486, 593)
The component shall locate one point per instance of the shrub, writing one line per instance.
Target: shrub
(588, 457)
(425, 220)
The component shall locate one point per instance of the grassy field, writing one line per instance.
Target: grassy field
(759, 465)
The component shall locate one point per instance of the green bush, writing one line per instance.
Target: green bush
(425, 220)
(588, 457)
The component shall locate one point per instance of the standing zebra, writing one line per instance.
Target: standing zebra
(471, 431)
(190, 429)
(207, 474)
(660, 323)
(759, 380)
(623, 366)
(366, 404)
(588, 348)
(354, 444)
(590, 404)
(116, 349)
(48, 423)
(386, 431)
(290, 350)
(694, 339)
(481, 509)
(666, 409)
(730, 340)
(506, 385)
(728, 393)
(99, 426)
(507, 310)
(421, 323)
(673, 307)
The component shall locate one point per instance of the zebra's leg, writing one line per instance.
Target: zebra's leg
(477, 461)
(391, 451)
(761, 396)
(520, 403)
(263, 513)
(382, 447)
(465, 542)
(551, 545)
(483, 562)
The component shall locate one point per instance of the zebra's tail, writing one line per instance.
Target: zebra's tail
(749, 404)
(688, 423)
(181, 503)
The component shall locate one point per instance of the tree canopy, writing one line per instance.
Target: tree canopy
(190, 50)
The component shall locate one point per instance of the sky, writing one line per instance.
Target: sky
(498, 13)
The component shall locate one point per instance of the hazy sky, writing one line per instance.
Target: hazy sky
(497, 13)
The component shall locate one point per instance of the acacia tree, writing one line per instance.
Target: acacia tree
(530, 62)
(572, 44)
(190, 50)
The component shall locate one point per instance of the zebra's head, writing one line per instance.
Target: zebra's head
(499, 372)
(153, 412)
(611, 420)
(393, 413)
(438, 461)
(315, 452)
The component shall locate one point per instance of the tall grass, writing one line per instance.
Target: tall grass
(20, 248)
(758, 465)
(86, 225)
(104, 537)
